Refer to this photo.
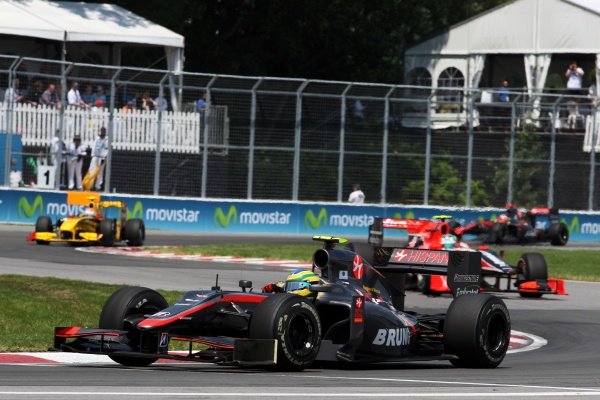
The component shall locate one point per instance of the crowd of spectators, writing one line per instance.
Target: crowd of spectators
(49, 93)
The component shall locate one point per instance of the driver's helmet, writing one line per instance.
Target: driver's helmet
(448, 241)
(89, 212)
(502, 219)
(299, 281)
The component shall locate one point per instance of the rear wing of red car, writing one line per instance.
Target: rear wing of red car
(416, 228)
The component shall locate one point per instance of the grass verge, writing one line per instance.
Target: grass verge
(33, 306)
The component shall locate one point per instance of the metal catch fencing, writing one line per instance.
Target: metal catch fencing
(296, 139)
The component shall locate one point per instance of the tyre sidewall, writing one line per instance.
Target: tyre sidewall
(469, 322)
(273, 319)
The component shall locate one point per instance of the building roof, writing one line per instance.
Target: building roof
(522, 27)
(82, 22)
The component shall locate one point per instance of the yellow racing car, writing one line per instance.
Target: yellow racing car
(92, 225)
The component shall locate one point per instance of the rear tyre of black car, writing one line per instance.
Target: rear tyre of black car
(558, 234)
(477, 330)
(135, 232)
(124, 310)
(43, 224)
(107, 229)
(294, 322)
(533, 267)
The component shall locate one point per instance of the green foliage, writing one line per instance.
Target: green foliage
(338, 39)
(527, 190)
(447, 187)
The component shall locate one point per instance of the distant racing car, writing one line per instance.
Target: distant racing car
(522, 226)
(529, 277)
(354, 314)
(93, 225)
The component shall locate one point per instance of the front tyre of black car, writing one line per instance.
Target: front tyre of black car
(477, 331)
(558, 234)
(295, 323)
(123, 311)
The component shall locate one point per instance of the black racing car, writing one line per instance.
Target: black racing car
(357, 316)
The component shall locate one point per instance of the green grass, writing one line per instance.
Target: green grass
(32, 307)
(579, 265)
(301, 252)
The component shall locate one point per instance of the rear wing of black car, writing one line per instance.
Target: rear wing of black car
(462, 268)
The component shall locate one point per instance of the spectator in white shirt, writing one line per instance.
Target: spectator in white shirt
(74, 98)
(356, 196)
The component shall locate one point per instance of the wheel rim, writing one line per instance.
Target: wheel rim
(496, 334)
(302, 335)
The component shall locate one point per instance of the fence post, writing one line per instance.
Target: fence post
(297, 140)
(511, 152)
(470, 110)
(340, 190)
(61, 124)
(427, 153)
(161, 92)
(250, 183)
(386, 135)
(9, 113)
(205, 137)
(110, 128)
(593, 160)
(552, 153)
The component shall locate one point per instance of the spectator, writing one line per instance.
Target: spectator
(359, 109)
(88, 96)
(504, 92)
(58, 151)
(99, 154)
(201, 104)
(75, 155)
(356, 196)
(50, 98)
(161, 103)
(575, 77)
(36, 92)
(147, 102)
(99, 95)
(74, 98)
(13, 94)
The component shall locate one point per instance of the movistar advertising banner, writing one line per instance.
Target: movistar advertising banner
(222, 216)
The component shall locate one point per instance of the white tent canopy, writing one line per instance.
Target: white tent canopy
(87, 22)
(534, 28)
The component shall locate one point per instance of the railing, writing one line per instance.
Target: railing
(181, 132)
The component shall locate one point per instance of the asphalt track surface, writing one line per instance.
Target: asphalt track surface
(568, 366)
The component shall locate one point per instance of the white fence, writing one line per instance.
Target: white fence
(181, 132)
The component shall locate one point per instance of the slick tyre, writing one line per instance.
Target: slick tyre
(294, 322)
(424, 285)
(558, 234)
(43, 224)
(497, 234)
(107, 230)
(124, 310)
(533, 267)
(135, 232)
(477, 331)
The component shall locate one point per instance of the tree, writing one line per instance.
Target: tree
(528, 191)
(337, 40)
